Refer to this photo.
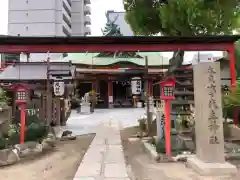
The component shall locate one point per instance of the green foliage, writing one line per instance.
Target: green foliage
(231, 101)
(184, 18)
(3, 98)
(232, 98)
(178, 145)
(35, 130)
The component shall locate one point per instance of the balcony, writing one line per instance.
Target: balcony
(67, 15)
(87, 20)
(68, 2)
(87, 31)
(87, 2)
(67, 6)
(87, 10)
(67, 24)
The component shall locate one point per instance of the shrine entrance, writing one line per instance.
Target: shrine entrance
(83, 88)
(103, 94)
(122, 94)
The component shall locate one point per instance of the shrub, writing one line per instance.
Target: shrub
(35, 130)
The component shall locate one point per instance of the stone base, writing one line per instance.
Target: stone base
(211, 169)
(110, 105)
(85, 109)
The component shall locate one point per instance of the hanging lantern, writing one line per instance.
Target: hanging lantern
(21, 94)
(59, 88)
(136, 85)
(167, 88)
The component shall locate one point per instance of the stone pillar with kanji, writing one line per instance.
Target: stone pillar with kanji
(210, 158)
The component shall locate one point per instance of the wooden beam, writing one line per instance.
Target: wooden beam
(70, 48)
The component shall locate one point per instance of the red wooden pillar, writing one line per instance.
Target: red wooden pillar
(94, 85)
(168, 128)
(110, 93)
(233, 77)
(232, 66)
(22, 129)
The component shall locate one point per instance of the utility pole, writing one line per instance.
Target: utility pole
(149, 120)
(49, 93)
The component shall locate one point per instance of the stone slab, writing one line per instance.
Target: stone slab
(98, 142)
(116, 179)
(97, 147)
(114, 157)
(115, 148)
(88, 170)
(211, 169)
(85, 178)
(114, 141)
(208, 114)
(97, 157)
(115, 170)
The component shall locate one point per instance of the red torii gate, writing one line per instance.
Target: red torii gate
(12, 44)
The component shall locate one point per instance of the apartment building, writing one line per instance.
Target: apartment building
(49, 17)
(80, 17)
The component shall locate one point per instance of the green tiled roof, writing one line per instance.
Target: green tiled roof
(154, 59)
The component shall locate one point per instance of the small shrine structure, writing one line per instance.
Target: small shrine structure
(36, 76)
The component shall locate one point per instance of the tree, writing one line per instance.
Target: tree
(111, 28)
(182, 18)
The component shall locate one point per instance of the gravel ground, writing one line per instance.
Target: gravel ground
(60, 164)
(144, 168)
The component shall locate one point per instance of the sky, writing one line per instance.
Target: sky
(99, 8)
(3, 16)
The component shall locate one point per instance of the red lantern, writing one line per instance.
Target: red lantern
(167, 88)
(167, 94)
(21, 99)
(21, 93)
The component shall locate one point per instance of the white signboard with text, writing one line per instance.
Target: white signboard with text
(136, 85)
(58, 87)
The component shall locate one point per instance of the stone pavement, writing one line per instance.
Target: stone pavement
(84, 124)
(104, 159)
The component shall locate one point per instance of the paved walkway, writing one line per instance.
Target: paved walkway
(83, 124)
(104, 159)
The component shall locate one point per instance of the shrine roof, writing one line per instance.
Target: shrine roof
(34, 71)
(154, 59)
(21, 40)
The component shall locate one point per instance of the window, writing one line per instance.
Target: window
(26, 14)
(66, 32)
(168, 91)
(26, 1)
(65, 19)
(26, 28)
(69, 2)
(66, 9)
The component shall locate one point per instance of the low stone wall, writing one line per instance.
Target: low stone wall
(5, 119)
(20, 151)
(29, 149)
